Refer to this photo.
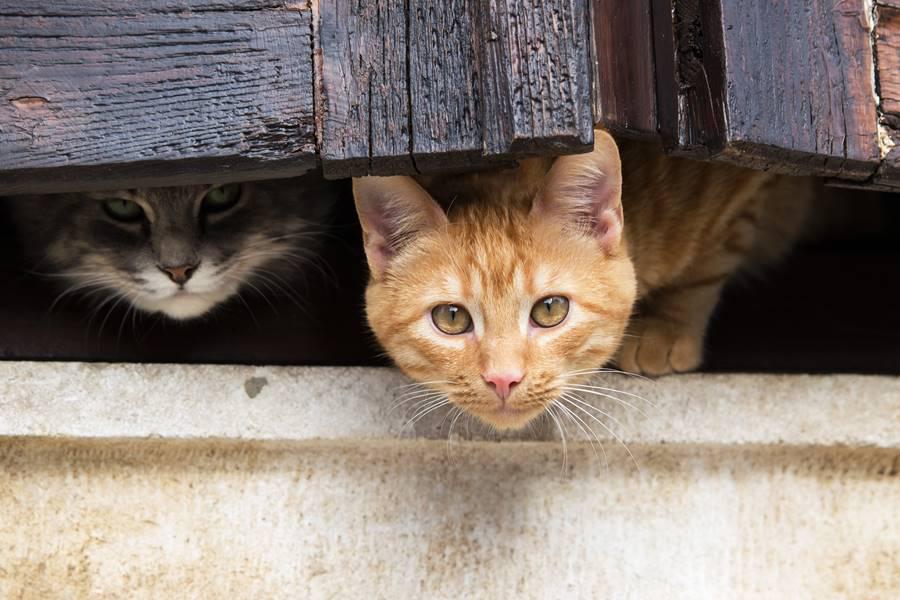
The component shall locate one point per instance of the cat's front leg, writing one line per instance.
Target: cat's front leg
(667, 335)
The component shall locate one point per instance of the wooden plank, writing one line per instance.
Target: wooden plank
(887, 43)
(821, 59)
(688, 72)
(419, 86)
(624, 73)
(535, 58)
(771, 84)
(363, 87)
(444, 85)
(101, 94)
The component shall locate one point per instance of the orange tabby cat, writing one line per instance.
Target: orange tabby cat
(529, 277)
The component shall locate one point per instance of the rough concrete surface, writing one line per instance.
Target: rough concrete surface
(160, 481)
(303, 403)
(161, 519)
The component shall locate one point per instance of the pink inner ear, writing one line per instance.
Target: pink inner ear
(609, 226)
(377, 255)
(392, 211)
(589, 202)
(586, 188)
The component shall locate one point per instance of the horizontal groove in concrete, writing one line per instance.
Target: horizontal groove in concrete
(82, 400)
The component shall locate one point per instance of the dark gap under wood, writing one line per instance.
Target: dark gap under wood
(830, 308)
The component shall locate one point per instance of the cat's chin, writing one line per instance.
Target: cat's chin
(181, 307)
(508, 418)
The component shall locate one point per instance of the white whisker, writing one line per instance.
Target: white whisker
(611, 432)
(562, 436)
(572, 397)
(421, 414)
(616, 391)
(422, 398)
(591, 435)
(459, 412)
(583, 390)
(419, 383)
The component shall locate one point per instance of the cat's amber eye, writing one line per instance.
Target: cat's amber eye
(221, 198)
(550, 311)
(123, 210)
(452, 319)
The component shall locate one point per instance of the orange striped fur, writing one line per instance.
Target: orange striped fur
(497, 242)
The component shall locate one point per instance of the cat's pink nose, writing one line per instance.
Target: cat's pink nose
(503, 382)
(179, 274)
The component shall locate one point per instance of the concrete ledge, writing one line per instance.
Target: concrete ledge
(231, 519)
(80, 400)
(173, 481)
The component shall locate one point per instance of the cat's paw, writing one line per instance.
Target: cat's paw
(656, 347)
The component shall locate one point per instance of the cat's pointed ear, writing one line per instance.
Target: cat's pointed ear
(585, 191)
(392, 212)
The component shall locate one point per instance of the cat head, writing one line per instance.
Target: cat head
(508, 295)
(179, 251)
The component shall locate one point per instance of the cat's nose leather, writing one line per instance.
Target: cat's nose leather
(179, 274)
(503, 382)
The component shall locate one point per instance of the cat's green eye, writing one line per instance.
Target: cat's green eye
(452, 319)
(221, 198)
(550, 311)
(123, 210)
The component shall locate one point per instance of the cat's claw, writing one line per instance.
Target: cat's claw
(656, 347)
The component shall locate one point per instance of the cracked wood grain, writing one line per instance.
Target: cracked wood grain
(781, 85)
(887, 43)
(535, 75)
(444, 85)
(103, 94)
(415, 86)
(364, 88)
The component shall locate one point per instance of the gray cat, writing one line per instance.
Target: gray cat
(179, 251)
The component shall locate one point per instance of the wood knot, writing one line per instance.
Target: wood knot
(29, 102)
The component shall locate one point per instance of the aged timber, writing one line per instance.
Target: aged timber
(103, 94)
(887, 44)
(463, 83)
(624, 70)
(363, 87)
(789, 86)
(100, 94)
(785, 85)
(535, 75)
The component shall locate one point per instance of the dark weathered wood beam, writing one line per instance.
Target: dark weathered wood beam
(535, 58)
(363, 87)
(624, 71)
(688, 71)
(444, 85)
(887, 44)
(781, 85)
(454, 84)
(104, 94)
